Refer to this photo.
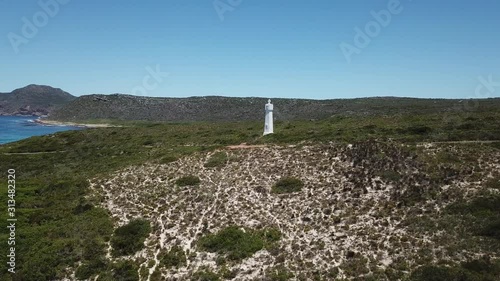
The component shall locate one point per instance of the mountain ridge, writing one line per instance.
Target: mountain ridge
(33, 99)
(59, 105)
(220, 108)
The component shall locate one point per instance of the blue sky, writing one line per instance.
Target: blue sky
(266, 48)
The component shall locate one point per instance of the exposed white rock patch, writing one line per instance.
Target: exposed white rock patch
(334, 223)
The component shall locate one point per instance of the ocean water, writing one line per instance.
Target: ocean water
(14, 128)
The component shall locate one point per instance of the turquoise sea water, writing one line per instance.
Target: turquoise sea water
(14, 128)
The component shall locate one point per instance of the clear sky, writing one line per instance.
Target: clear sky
(265, 48)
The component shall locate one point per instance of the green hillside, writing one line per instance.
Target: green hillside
(33, 100)
(432, 179)
(125, 107)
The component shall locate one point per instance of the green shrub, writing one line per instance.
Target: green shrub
(483, 267)
(436, 273)
(390, 175)
(168, 159)
(236, 243)
(228, 274)
(270, 235)
(84, 271)
(476, 270)
(287, 185)
(418, 130)
(129, 238)
(492, 230)
(493, 183)
(143, 271)
(279, 273)
(479, 207)
(88, 269)
(93, 249)
(174, 258)
(188, 181)
(447, 157)
(205, 275)
(125, 271)
(82, 208)
(481, 215)
(156, 276)
(218, 159)
(495, 145)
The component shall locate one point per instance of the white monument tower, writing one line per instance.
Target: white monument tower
(268, 126)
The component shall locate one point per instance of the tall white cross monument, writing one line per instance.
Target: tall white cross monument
(268, 126)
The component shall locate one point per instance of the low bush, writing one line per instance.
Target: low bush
(389, 175)
(287, 185)
(476, 270)
(483, 266)
(237, 243)
(125, 271)
(228, 274)
(232, 241)
(437, 273)
(270, 235)
(168, 159)
(418, 130)
(129, 238)
(479, 207)
(495, 145)
(493, 183)
(481, 215)
(173, 258)
(279, 273)
(88, 269)
(188, 181)
(205, 275)
(492, 230)
(218, 159)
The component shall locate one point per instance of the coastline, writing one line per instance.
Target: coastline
(72, 124)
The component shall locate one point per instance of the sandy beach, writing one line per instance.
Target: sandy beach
(59, 123)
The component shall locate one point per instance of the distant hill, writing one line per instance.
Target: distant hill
(33, 100)
(216, 108)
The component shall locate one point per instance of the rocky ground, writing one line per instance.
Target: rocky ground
(357, 216)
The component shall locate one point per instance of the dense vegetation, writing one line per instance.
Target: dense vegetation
(205, 275)
(218, 159)
(481, 215)
(279, 274)
(125, 107)
(476, 270)
(236, 243)
(188, 181)
(129, 238)
(58, 227)
(174, 257)
(287, 185)
(121, 270)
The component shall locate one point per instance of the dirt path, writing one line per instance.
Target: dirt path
(460, 142)
(245, 146)
(33, 153)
